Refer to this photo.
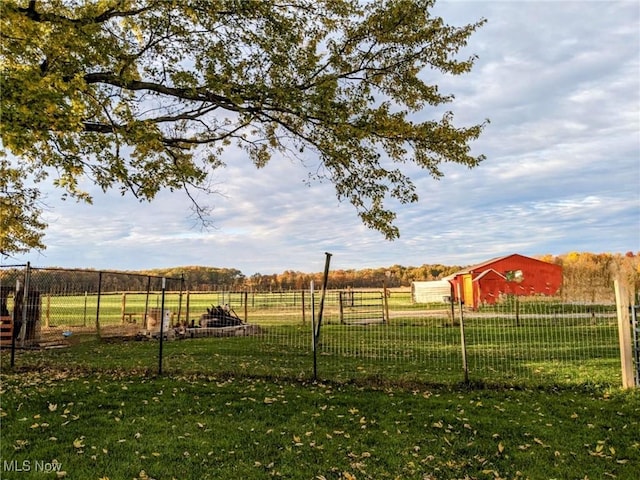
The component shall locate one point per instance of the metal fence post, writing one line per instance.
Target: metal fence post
(314, 340)
(325, 281)
(463, 342)
(98, 305)
(164, 280)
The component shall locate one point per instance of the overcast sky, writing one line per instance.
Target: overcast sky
(560, 83)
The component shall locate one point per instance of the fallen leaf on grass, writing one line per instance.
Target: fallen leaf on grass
(540, 442)
(21, 444)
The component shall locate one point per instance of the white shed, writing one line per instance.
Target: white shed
(435, 291)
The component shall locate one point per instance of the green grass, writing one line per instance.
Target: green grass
(119, 425)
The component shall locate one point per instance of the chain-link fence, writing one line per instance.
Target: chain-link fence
(375, 334)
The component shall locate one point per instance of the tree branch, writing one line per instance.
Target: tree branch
(31, 12)
(198, 94)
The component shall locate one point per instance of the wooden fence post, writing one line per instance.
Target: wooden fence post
(123, 309)
(624, 334)
(47, 313)
(187, 308)
(246, 307)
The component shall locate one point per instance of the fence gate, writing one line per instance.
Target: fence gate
(361, 308)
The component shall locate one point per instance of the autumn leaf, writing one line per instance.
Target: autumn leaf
(540, 442)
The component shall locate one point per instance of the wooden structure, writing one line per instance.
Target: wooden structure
(514, 274)
(6, 330)
(6, 320)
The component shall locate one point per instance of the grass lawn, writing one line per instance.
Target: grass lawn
(118, 425)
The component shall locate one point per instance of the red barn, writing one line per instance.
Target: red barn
(514, 274)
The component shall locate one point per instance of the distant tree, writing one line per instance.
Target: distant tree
(145, 95)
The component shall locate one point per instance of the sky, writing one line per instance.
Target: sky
(559, 82)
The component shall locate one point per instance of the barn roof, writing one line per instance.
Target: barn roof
(480, 266)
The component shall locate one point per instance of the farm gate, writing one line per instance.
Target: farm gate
(361, 308)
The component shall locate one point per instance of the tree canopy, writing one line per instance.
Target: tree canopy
(142, 95)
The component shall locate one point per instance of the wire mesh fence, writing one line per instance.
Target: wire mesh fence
(88, 303)
(375, 334)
